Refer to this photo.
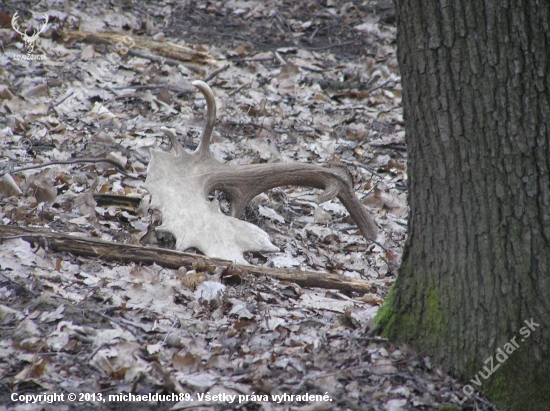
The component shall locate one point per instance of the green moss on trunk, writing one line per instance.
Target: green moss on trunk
(402, 323)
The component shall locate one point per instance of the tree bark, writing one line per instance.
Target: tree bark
(476, 265)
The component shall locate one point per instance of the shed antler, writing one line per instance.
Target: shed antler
(180, 185)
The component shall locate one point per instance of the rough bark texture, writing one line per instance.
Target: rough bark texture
(476, 265)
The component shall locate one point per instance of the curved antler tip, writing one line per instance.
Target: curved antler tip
(199, 84)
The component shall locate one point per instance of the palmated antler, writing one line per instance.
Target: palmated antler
(180, 185)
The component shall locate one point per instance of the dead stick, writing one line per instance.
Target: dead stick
(240, 88)
(215, 73)
(176, 259)
(76, 161)
(347, 43)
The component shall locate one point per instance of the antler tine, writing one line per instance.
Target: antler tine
(204, 146)
(180, 151)
(14, 24)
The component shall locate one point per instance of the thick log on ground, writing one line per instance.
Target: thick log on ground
(164, 49)
(111, 251)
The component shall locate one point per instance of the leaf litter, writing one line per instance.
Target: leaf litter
(310, 82)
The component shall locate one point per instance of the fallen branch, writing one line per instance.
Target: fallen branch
(164, 49)
(175, 259)
(123, 202)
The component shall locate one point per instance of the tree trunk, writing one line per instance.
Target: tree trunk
(475, 277)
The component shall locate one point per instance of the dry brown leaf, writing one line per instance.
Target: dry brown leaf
(192, 279)
(371, 299)
(187, 362)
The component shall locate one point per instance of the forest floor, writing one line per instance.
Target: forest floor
(309, 81)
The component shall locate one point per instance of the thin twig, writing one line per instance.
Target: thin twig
(119, 166)
(239, 60)
(159, 59)
(329, 27)
(153, 87)
(118, 322)
(215, 33)
(382, 85)
(313, 35)
(240, 88)
(62, 100)
(281, 21)
(388, 262)
(122, 97)
(215, 73)
(357, 164)
(168, 333)
(12, 281)
(391, 146)
(315, 70)
(347, 43)
(279, 58)
(383, 248)
(235, 123)
(410, 359)
(486, 402)
(378, 339)
(162, 103)
(30, 73)
(328, 374)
